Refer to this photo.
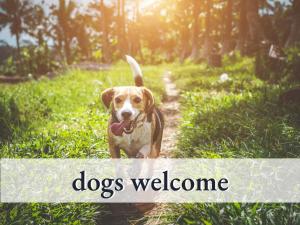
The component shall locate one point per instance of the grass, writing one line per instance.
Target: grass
(63, 118)
(235, 119)
(60, 118)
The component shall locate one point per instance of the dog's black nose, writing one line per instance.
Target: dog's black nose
(126, 114)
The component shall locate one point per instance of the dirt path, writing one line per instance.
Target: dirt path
(125, 213)
(170, 109)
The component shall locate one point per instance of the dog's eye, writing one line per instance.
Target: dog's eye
(137, 100)
(118, 100)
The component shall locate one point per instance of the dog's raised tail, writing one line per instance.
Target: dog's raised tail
(136, 70)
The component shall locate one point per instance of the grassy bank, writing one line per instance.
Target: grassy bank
(237, 118)
(60, 118)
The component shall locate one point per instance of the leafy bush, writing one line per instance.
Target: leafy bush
(38, 60)
(293, 64)
(35, 61)
(8, 67)
(276, 70)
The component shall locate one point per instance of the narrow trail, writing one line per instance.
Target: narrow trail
(170, 109)
(126, 213)
(171, 112)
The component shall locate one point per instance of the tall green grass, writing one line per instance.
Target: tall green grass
(61, 118)
(234, 119)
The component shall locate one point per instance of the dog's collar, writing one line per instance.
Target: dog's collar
(136, 123)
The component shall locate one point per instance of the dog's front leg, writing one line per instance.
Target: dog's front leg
(144, 151)
(114, 150)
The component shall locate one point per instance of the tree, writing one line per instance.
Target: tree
(183, 16)
(227, 39)
(12, 14)
(253, 19)
(102, 24)
(294, 35)
(134, 39)
(121, 29)
(37, 25)
(242, 27)
(82, 22)
(195, 38)
(207, 48)
(64, 26)
(105, 38)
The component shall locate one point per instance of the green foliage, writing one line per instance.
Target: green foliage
(36, 61)
(8, 67)
(239, 213)
(249, 124)
(60, 118)
(237, 118)
(150, 58)
(276, 70)
(293, 63)
(199, 76)
(97, 55)
(10, 117)
(57, 214)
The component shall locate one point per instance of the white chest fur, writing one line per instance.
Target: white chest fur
(139, 139)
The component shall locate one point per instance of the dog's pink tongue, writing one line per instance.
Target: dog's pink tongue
(118, 128)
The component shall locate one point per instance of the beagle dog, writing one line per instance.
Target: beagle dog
(136, 124)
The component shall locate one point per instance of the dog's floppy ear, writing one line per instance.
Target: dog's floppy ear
(149, 99)
(107, 96)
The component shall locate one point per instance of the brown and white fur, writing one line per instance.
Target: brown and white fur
(134, 102)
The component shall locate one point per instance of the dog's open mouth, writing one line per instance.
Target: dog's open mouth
(123, 126)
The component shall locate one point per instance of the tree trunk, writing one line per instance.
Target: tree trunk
(185, 36)
(255, 30)
(227, 41)
(62, 20)
(60, 43)
(134, 32)
(121, 28)
(105, 39)
(195, 41)
(124, 37)
(184, 48)
(67, 49)
(19, 63)
(18, 46)
(243, 27)
(119, 32)
(294, 35)
(138, 41)
(207, 48)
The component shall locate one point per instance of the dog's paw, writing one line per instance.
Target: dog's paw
(140, 155)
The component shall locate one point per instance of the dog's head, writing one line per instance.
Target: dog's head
(128, 102)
